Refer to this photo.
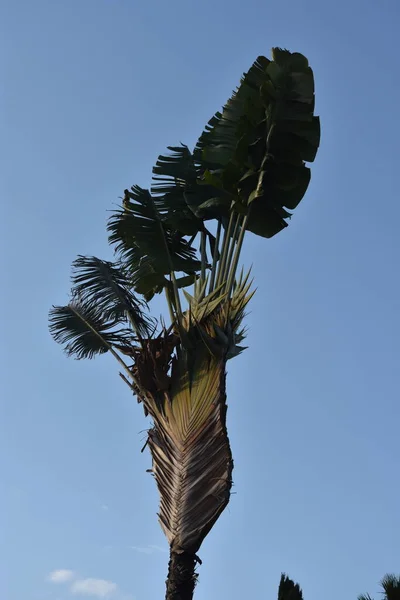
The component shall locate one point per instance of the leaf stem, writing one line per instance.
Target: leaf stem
(225, 247)
(233, 241)
(237, 255)
(203, 256)
(171, 307)
(122, 363)
(178, 305)
(215, 257)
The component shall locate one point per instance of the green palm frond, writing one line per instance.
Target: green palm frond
(183, 201)
(105, 285)
(183, 195)
(175, 175)
(149, 249)
(84, 330)
(177, 166)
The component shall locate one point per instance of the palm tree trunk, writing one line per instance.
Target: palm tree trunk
(181, 576)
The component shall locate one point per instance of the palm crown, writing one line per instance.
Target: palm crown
(186, 233)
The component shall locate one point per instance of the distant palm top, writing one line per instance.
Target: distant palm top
(391, 588)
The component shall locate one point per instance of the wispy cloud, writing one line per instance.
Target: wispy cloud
(101, 588)
(149, 549)
(60, 576)
(141, 549)
(158, 548)
(104, 507)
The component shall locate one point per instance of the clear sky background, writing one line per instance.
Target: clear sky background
(92, 92)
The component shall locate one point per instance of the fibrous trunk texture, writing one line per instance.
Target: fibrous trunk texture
(181, 576)
(192, 460)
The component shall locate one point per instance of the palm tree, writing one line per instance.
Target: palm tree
(185, 235)
(391, 588)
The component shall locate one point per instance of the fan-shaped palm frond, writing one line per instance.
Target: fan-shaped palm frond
(84, 330)
(105, 285)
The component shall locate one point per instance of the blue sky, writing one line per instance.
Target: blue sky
(93, 91)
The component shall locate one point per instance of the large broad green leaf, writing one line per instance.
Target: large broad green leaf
(175, 175)
(148, 247)
(218, 144)
(277, 185)
(84, 330)
(265, 221)
(183, 193)
(262, 139)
